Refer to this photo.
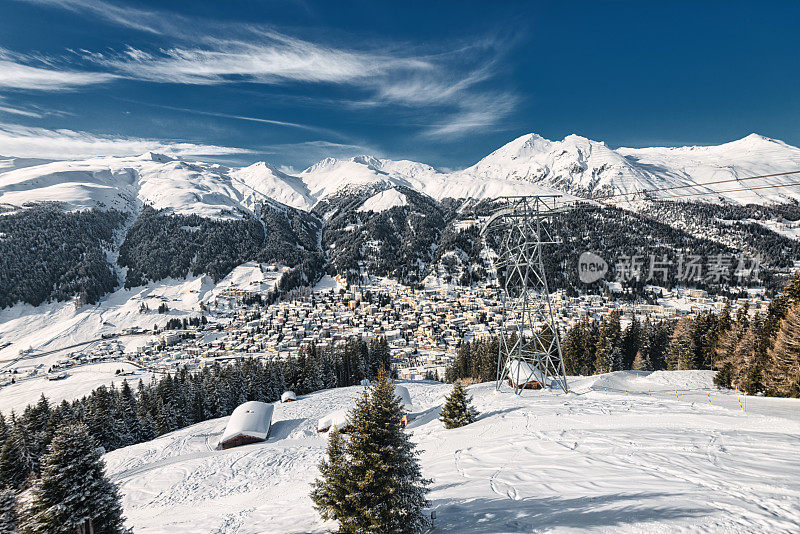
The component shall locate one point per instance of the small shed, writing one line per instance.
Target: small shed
(288, 396)
(524, 375)
(249, 423)
(340, 420)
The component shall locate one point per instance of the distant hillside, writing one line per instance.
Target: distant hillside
(82, 228)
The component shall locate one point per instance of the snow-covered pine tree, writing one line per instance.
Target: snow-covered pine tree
(384, 487)
(329, 492)
(72, 494)
(8, 511)
(783, 377)
(15, 459)
(457, 411)
(3, 430)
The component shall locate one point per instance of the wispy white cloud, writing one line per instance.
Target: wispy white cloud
(479, 112)
(275, 59)
(17, 74)
(129, 17)
(30, 142)
(18, 111)
(450, 85)
(261, 120)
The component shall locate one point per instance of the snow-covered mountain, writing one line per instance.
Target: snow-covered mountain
(529, 164)
(262, 180)
(589, 168)
(125, 184)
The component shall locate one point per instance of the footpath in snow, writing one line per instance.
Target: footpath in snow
(597, 459)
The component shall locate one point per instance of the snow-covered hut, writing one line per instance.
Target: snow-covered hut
(524, 375)
(249, 423)
(340, 420)
(288, 396)
(401, 392)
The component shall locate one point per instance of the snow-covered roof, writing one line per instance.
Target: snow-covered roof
(251, 419)
(521, 372)
(288, 395)
(401, 392)
(338, 420)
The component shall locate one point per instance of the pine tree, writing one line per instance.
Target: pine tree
(15, 460)
(641, 362)
(3, 431)
(681, 346)
(329, 492)
(784, 374)
(383, 485)
(8, 511)
(72, 493)
(457, 411)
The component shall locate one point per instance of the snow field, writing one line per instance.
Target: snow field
(80, 381)
(590, 460)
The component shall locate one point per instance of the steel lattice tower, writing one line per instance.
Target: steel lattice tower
(530, 345)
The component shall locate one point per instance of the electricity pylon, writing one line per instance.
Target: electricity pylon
(530, 344)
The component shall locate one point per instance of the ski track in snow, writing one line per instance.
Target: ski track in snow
(597, 459)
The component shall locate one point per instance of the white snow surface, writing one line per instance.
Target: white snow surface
(623, 452)
(529, 165)
(80, 381)
(386, 199)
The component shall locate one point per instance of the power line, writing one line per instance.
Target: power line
(672, 188)
(740, 190)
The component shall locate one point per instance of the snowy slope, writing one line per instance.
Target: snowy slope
(125, 183)
(529, 164)
(753, 155)
(589, 168)
(386, 199)
(596, 460)
(80, 381)
(262, 180)
(331, 175)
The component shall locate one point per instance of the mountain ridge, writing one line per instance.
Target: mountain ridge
(530, 164)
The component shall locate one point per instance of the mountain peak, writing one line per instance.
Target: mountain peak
(157, 157)
(370, 161)
(325, 164)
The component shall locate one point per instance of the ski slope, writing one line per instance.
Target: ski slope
(599, 459)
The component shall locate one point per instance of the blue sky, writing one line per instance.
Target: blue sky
(291, 82)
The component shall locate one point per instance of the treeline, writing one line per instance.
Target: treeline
(758, 354)
(118, 417)
(761, 354)
(162, 245)
(178, 324)
(49, 254)
(590, 347)
(292, 239)
(668, 229)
